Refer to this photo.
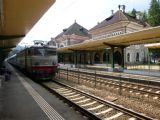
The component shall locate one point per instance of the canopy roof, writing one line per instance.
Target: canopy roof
(153, 46)
(17, 18)
(150, 35)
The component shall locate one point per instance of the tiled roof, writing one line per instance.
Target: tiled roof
(76, 29)
(117, 17)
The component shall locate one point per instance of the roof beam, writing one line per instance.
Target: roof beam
(77, 50)
(71, 49)
(111, 45)
(7, 37)
(7, 47)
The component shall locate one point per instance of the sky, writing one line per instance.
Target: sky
(87, 13)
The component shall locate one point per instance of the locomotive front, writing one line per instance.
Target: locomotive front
(43, 62)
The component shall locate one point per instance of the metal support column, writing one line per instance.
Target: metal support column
(75, 58)
(112, 49)
(149, 60)
(84, 58)
(90, 57)
(122, 64)
(107, 60)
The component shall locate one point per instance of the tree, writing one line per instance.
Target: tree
(144, 17)
(133, 13)
(154, 13)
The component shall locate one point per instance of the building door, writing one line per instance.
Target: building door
(97, 58)
(117, 58)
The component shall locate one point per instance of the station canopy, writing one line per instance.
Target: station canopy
(17, 17)
(150, 35)
(153, 46)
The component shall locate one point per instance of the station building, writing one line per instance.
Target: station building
(117, 24)
(120, 23)
(74, 34)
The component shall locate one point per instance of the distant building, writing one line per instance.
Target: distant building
(71, 35)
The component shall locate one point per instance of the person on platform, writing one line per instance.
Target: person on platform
(7, 75)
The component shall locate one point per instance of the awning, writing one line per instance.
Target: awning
(150, 35)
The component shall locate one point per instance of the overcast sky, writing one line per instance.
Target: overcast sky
(86, 13)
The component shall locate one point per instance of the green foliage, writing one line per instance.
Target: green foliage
(142, 16)
(133, 13)
(154, 13)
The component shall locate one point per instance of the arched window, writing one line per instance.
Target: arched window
(128, 57)
(137, 57)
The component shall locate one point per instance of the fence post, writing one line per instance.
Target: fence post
(59, 73)
(78, 75)
(120, 85)
(95, 79)
(67, 73)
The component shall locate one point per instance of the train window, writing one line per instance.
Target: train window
(38, 51)
(44, 51)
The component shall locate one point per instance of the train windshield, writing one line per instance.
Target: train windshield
(45, 51)
(50, 51)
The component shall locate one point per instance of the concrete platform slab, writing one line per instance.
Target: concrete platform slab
(22, 99)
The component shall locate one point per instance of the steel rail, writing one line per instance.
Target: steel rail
(77, 107)
(107, 103)
(118, 77)
(122, 82)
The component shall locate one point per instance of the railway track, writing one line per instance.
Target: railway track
(133, 88)
(91, 106)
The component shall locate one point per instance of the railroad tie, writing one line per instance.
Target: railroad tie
(132, 118)
(88, 104)
(97, 107)
(114, 116)
(74, 96)
(105, 111)
(85, 100)
(78, 98)
(68, 94)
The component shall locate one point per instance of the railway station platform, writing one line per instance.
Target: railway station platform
(23, 99)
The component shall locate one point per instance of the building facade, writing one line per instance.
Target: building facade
(72, 35)
(120, 23)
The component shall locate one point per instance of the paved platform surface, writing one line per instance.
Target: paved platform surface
(22, 99)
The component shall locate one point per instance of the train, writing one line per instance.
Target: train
(39, 62)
